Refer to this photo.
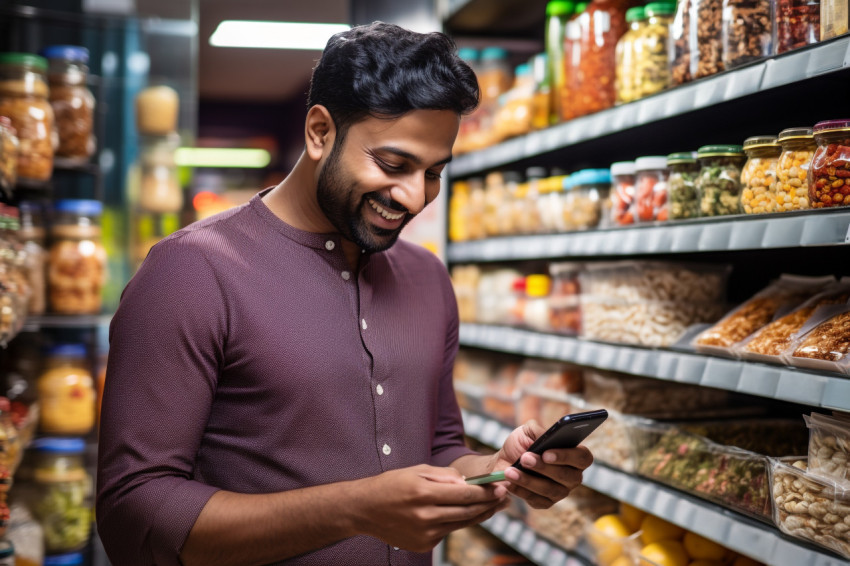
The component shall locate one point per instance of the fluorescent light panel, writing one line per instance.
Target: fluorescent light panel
(222, 157)
(274, 35)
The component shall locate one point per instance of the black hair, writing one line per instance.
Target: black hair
(384, 70)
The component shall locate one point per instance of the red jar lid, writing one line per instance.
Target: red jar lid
(831, 125)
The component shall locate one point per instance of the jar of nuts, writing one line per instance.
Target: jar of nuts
(719, 181)
(829, 174)
(9, 145)
(758, 177)
(652, 68)
(792, 171)
(706, 53)
(682, 43)
(76, 269)
(747, 31)
(23, 98)
(682, 185)
(71, 99)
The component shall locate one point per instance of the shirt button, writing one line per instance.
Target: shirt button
(329, 245)
(395, 548)
(346, 275)
(363, 324)
(387, 449)
(379, 389)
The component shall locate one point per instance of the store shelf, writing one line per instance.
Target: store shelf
(527, 542)
(792, 68)
(773, 382)
(40, 322)
(737, 532)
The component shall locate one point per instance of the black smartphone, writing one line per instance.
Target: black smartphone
(567, 432)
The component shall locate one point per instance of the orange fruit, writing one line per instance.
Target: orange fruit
(632, 516)
(656, 529)
(699, 547)
(664, 553)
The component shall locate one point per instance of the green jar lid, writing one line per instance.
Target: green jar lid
(581, 7)
(720, 150)
(24, 60)
(796, 134)
(660, 9)
(682, 157)
(560, 8)
(634, 14)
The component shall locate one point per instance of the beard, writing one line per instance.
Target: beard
(343, 207)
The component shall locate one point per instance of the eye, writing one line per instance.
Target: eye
(433, 175)
(389, 167)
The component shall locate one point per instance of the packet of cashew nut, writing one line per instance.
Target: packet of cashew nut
(775, 300)
(810, 507)
(829, 447)
(771, 342)
(823, 341)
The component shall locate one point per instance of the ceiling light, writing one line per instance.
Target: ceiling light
(222, 157)
(274, 35)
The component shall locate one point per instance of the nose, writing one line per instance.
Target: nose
(409, 192)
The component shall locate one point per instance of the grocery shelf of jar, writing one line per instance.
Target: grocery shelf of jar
(763, 380)
(34, 323)
(822, 227)
(789, 68)
(530, 544)
(744, 535)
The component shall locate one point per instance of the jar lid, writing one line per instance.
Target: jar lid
(73, 445)
(623, 168)
(795, 133)
(560, 8)
(537, 285)
(568, 182)
(581, 7)
(682, 157)
(468, 54)
(68, 350)
(536, 173)
(7, 549)
(24, 60)
(69, 559)
(829, 125)
(494, 53)
(755, 142)
(720, 150)
(79, 206)
(634, 14)
(66, 52)
(660, 9)
(592, 177)
(651, 163)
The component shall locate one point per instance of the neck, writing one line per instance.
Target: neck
(294, 199)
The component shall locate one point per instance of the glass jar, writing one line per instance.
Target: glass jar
(476, 208)
(564, 308)
(572, 57)
(792, 172)
(558, 13)
(758, 177)
(589, 187)
(797, 24)
(76, 269)
(682, 37)
(11, 444)
(71, 99)
(709, 38)
(829, 174)
(26, 535)
(508, 211)
(530, 220)
(624, 79)
(160, 190)
(156, 110)
(66, 391)
(32, 235)
(834, 18)
(63, 501)
(651, 188)
(682, 185)
(652, 65)
(622, 193)
(719, 181)
(601, 26)
(9, 148)
(550, 204)
(541, 96)
(459, 212)
(747, 31)
(494, 198)
(23, 99)
(494, 80)
(535, 312)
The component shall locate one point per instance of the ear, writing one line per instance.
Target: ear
(319, 131)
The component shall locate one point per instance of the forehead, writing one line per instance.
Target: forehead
(428, 134)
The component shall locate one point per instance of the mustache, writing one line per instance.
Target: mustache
(386, 202)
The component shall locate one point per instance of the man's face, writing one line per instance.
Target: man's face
(384, 173)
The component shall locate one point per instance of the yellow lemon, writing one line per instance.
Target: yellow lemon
(699, 547)
(664, 553)
(606, 536)
(632, 516)
(745, 561)
(656, 529)
(622, 561)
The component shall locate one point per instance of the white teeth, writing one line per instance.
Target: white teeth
(386, 214)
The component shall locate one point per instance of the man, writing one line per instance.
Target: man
(279, 379)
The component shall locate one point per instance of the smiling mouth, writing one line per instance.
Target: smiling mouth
(384, 212)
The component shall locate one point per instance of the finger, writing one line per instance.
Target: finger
(579, 457)
(535, 500)
(442, 475)
(480, 518)
(450, 514)
(564, 475)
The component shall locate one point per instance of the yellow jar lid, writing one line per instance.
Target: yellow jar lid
(537, 285)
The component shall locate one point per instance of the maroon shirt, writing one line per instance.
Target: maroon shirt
(247, 356)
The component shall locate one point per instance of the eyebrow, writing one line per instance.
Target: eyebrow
(411, 157)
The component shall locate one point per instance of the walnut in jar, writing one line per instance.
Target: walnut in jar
(72, 101)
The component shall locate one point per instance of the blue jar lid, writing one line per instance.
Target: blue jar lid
(79, 206)
(569, 182)
(468, 54)
(7, 549)
(69, 559)
(72, 445)
(493, 53)
(68, 350)
(592, 177)
(66, 52)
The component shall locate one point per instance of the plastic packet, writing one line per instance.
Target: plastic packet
(829, 447)
(823, 342)
(776, 299)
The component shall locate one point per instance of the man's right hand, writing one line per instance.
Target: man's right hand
(415, 508)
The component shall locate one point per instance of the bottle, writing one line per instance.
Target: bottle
(72, 101)
(33, 236)
(558, 13)
(829, 174)
(719, 181)
(572, 57)
(652, 65)
(494, 80)
(66, 391)
(682, 188)
(792, 172)
(758, 177)
(625, 56)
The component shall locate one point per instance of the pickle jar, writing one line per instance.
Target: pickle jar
(624, 53)
(797, 24)
(76, 269)
(747, 31)
(63, 495)
(829, 174)
(23, 99)
(651, 188)
(66, 391)
(758, 177)
(682, 185)
(792, 171)
(719, 181)
(72, 100)
(9, 149)
(652, 66)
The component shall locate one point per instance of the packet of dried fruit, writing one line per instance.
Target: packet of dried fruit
(771, 342)
(829, 447)
(777, 299)
(822, 343)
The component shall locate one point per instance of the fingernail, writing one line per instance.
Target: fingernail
(512, 474)
(549, 458)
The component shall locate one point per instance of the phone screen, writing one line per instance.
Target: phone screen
(567, 432)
